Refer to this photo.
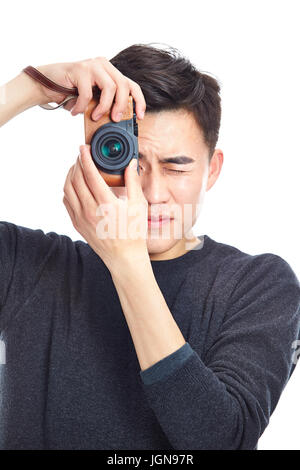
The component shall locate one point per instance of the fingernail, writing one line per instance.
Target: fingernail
(133, 164)
(119, 116)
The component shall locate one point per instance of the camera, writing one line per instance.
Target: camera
(113, 144)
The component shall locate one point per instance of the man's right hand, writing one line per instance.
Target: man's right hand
(84, 75)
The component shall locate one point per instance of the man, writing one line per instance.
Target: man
(142, 341)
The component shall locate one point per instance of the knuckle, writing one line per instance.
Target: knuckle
(111, 85)
(108, 83)
(89, 213)
(86, 95)
(83, 65)
(136, 85)
(124, 81)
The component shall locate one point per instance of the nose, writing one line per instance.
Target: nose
(154, 187)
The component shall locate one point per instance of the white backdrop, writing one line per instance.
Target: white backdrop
(251, 47)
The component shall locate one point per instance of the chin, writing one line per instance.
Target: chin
(156, 246)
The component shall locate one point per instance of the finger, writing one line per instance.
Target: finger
(134, 88)
(137, 95)
(108, 89)
(97, 185)
(84, 87)
(81, 188)
(122, 92)
(70, 192)
(132, 181)
(69, 104)
(121, 100)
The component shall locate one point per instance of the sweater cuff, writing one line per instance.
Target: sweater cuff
(166, 366)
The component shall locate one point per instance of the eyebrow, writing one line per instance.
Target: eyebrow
(179, 159)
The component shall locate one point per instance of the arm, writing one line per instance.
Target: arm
(223, 400)
(17, 95)
(153, 329)
(22, 92)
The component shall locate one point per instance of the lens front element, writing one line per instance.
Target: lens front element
(111, 148)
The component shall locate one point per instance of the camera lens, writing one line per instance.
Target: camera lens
(112, 148)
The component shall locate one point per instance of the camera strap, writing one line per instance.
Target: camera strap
(37, 75)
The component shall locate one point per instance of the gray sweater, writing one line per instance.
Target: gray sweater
(71, 378)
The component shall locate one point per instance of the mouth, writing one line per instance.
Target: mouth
(158, 221)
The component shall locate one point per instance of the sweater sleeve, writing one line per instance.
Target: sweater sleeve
(166, 366)
(224, 400)
(24, 252)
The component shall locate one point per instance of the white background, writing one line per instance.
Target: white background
(251, 47)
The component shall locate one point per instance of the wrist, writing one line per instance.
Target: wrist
(17, 95)
(36, 92)
(24, 89)
(128, 270)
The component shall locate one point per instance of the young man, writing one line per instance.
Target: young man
(140, 342)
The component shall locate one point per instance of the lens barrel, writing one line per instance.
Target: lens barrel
(112, 147)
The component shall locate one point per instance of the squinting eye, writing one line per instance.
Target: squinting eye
(168, 169)
(177, 171)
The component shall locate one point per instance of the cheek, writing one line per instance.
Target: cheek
(185, 195)
(186, 190)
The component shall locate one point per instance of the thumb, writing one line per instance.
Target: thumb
(133, 164)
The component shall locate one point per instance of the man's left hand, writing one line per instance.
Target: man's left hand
(89, 201)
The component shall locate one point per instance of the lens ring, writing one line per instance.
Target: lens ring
(106, 133)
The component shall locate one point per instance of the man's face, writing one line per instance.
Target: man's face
(168, 185)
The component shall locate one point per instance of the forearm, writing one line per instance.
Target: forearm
(154, 331)
(17, 95)
(190, 403)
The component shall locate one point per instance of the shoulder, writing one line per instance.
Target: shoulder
(239, 264)
(26, 253)
(240, 278)
(19, 239)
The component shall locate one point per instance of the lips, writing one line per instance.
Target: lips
(159, 218)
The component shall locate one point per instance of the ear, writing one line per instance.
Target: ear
(215, 167)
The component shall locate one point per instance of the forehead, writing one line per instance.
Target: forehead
(166, 132)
